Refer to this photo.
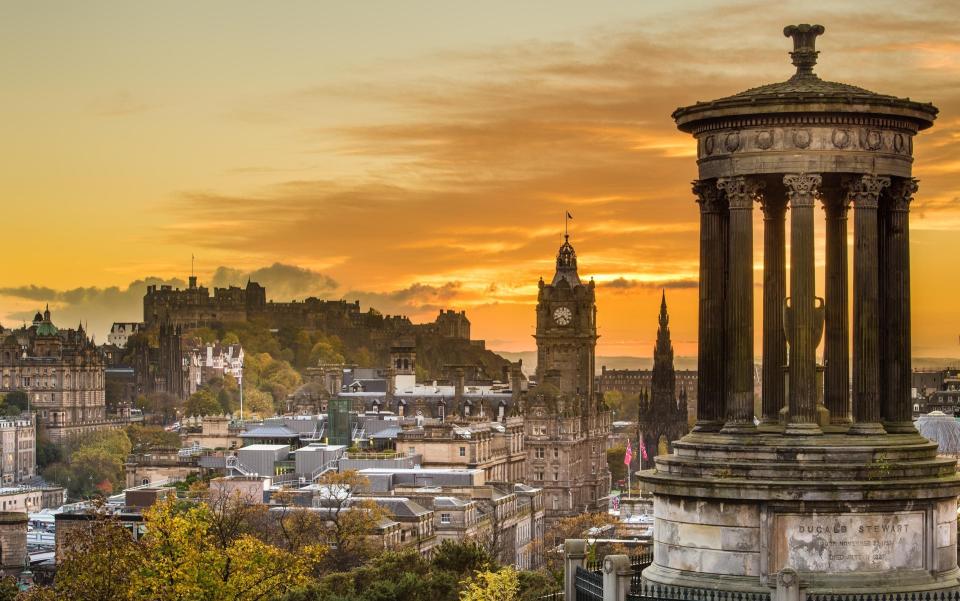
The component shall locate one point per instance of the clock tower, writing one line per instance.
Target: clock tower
(567, 331)
(567, 426)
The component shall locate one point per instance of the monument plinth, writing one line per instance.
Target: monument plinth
(858, 502)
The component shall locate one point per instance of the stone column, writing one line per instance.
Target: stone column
(897, 410)
(574, 556)
(710, 354)
(741, 192)
(836, 347)
(774, 294)
(864, 192)
(616, 577)
(802, 326)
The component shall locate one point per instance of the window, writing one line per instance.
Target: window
(411, 450)
(463, 451)
(444, 518)
(539, 453)
(538, 475)
(556, 453)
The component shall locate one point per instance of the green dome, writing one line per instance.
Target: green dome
(47, 329)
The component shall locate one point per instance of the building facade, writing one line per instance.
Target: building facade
(18, 443)
(566, 421)
(62, 372)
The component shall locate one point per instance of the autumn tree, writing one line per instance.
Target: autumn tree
(350, 523)
(584, 525)
(500, 585)
(100, 560)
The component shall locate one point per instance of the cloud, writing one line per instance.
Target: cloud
(283, 282)
(620, 284)
(416, 300)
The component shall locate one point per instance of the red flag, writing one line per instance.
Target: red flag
(628, 456)
(643, 449)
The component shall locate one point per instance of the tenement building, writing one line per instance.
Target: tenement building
(846, 493)
(662, 413)
(61, 371)
(566, 421)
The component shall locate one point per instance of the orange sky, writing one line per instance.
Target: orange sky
(419, 155)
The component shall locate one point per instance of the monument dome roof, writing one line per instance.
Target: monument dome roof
(805, 92)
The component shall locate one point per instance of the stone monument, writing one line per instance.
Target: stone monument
(851, 497)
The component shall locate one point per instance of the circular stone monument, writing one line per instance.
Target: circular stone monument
(834, 482)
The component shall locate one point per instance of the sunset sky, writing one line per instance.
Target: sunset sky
(419, 155)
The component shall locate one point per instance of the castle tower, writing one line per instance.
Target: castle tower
(403, 363)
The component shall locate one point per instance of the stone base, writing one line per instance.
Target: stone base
(856, 514)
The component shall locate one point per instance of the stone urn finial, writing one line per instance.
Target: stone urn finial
(805, 52)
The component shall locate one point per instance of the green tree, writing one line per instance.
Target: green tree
(18, 399)
(324, 352)
(202, 402)
(146, 438)
(615, 456)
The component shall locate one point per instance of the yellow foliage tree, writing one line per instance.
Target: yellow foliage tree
(501, 585)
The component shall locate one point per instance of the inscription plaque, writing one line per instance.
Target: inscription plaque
(859, 542)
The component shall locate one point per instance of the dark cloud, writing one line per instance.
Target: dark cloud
(416, 300)
(627, 284)
(283, 282)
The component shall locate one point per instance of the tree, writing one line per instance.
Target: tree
(18, 399)
(258, 402)
(146, 438)
(99, 561)
(349, 527)
(615, 457)
(204, 551)
(91, 464)
(162, 405)
(584, 525)
(202, 402)
(501, 585)
(324, 352)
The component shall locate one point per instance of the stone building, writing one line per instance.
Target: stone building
(662, 414)
(121, 331)
(633, 382)
(62, 372)
(566, 422)
(841, 496)
(18, 445)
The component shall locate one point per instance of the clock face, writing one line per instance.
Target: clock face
(563, 316)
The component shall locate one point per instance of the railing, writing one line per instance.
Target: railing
(657, 592)
(588, 585)
(915, 596)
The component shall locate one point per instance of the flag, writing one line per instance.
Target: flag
(643, 449)
(628, 455)
(569, 216)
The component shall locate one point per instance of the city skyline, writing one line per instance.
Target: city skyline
(419, 164)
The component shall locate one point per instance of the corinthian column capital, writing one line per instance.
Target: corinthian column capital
(741, 191)
(708, 197)
(802, 188)
(864, 191)
(901, 193)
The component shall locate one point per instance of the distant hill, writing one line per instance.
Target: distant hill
(610, 361)
(629, 362)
